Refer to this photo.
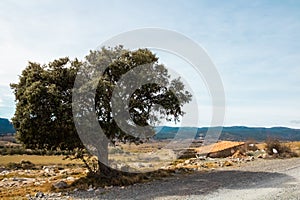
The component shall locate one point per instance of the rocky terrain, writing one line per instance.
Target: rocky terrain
(27, 180)
(260, 179)
(192, 178)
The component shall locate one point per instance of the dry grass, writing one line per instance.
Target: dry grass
(121, 179)
(37, 160)
(45, 182)
(20, 193)
(145, 147)
(261, 146)
(84, 182)
(294, 146)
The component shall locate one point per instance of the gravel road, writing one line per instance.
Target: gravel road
(260, 179)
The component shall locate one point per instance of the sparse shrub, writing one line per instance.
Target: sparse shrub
(13, 151)
(49, 153)
(19, 150)
(250, 153)
(115, 151)
(13, 165)
(251, 145)
(24, 164)
(277, 149)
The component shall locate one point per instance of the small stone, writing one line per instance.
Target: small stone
(39, 195)
(37, 184)
(150, 165)
(108, 187)
(227, 163)
(70, 178)
(275, 151)
(251, 158)
(5, 172)
(141, 165)
(260, 156)
(63, 172)
(60, 185)
(201, 158)
(19, 179)
(99, 191)
(90, 189)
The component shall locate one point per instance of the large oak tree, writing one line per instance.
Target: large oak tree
(44, 117)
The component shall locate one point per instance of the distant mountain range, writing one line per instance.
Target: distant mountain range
(234, 133)
(6, 127)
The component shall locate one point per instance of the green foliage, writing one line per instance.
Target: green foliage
(117, 62)
(44, 118)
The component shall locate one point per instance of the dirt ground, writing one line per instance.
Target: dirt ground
(260, 179)
(210, 178)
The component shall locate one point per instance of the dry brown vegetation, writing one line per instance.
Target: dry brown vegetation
(81, 180)
(279, 149)
(21, 178)
(37, 160)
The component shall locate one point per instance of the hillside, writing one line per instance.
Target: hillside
(235, 133)
(6, 127)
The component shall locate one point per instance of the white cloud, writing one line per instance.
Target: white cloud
(255, 45)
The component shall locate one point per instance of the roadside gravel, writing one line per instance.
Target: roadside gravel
(260, 179)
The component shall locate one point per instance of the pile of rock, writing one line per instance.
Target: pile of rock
(49, 196)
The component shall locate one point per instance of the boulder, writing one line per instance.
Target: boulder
(60, 185)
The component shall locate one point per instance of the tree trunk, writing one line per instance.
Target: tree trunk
(104, 170)
(103, 152)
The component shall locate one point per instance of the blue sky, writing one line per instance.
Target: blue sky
(255, 46)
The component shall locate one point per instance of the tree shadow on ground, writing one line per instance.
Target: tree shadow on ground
(198, 183)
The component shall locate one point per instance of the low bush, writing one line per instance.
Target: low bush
(24, 164)
(116, 151)
(277, 149)
(19, 150)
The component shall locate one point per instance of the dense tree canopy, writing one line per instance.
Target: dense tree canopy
(44, 119)
(43, 116)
